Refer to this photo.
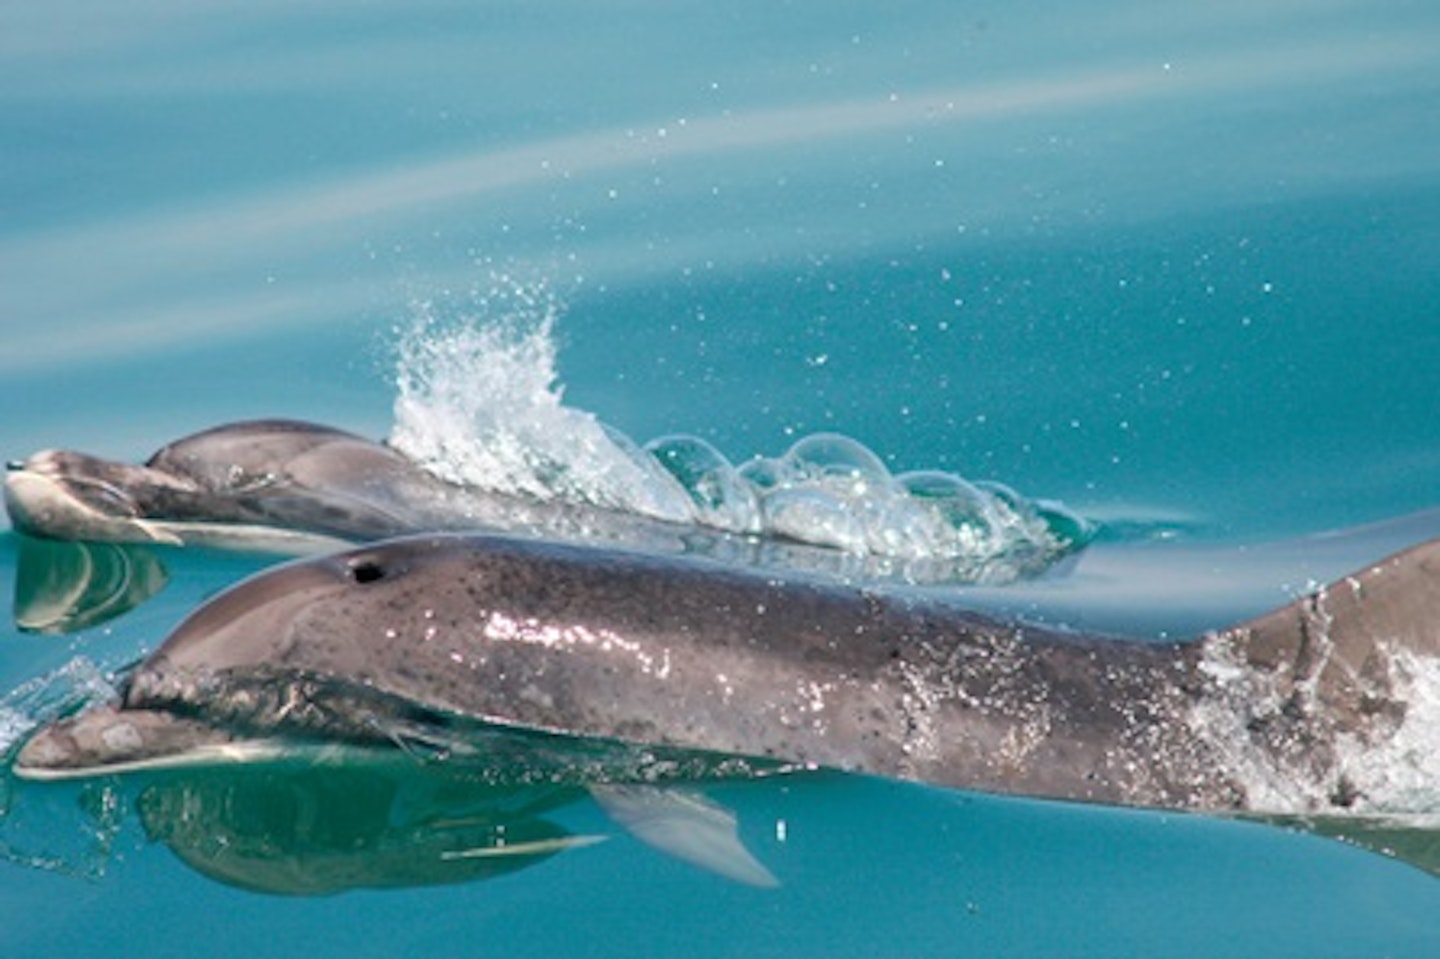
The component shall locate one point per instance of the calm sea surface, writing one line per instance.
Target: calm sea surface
(1174, 265)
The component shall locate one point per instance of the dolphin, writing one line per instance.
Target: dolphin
(1326, 705)
(283, 486)
(298, 488)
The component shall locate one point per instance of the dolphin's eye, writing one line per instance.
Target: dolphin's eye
(366, 571)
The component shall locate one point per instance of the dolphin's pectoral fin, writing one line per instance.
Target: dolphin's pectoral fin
(687, 826)
(157, 532)
(332, 512)
(534, 847)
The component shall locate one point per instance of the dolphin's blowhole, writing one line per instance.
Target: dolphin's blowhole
(366, 571)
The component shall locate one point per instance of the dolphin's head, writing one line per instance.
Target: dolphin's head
(271, 485)
(252, 456)
(62, 494)
(239, 629)
(241, 669)
(398, 639)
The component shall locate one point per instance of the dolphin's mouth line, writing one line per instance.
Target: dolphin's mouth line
(216, 754)
(271, 716)
(242, 536)
(40, 501)
(303, 706)
(100, 495)
(51, 502)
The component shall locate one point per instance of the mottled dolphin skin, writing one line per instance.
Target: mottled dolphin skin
(1289, 713)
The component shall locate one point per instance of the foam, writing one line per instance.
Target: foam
(1388, 768)
(1397, 775)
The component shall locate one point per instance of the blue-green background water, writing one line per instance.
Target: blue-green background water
(1154, 260)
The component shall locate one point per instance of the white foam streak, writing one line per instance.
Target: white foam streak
(1391, 772)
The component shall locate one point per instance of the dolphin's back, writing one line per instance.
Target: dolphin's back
(243, 453)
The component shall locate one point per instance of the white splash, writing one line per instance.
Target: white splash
(1391, 772)
(1397, 775)
(78, 682)
(479, 403)
(1221, 722)
(13, 725)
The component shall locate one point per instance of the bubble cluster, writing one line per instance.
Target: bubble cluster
(830, 490)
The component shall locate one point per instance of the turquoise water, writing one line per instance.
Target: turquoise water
(1173, 265)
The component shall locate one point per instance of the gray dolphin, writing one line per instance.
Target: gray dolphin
(298, 488)
(1327, 704)
(283, 486)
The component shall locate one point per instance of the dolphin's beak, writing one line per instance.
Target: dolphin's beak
(108, 740)
(47, 505)
(62, 495)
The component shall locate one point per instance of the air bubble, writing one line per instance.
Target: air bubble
(720, 496)
(837, 462)
(814, 516)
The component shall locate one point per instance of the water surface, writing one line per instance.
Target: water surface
(1172, 265)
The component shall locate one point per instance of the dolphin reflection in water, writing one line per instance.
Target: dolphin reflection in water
(303, 829)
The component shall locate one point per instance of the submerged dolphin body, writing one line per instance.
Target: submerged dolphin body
(1322, 705)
